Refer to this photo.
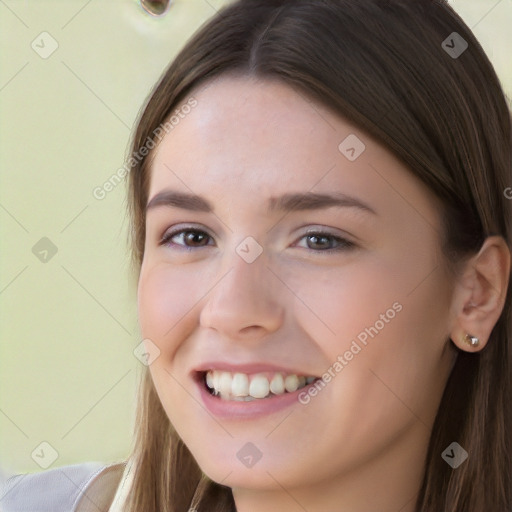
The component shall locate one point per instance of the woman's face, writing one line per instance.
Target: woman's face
(351, 291)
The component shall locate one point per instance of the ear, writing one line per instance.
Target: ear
(480, 294)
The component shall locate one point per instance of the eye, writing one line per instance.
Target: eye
(197, 237)
(192, 235)
(320, 237)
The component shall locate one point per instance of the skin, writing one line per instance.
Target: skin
(360, 444)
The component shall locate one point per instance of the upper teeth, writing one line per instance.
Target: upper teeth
(240, 386)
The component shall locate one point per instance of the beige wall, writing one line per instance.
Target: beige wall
(68, 325)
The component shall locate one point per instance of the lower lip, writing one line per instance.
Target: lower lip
(232, 409)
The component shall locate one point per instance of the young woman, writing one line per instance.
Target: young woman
(320, 202)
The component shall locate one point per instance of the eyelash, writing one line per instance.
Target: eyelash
(345, 245)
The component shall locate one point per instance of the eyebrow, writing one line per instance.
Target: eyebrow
(285, 203)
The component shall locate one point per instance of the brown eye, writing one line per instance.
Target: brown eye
(191, 238)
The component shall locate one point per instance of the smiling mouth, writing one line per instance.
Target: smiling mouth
(242, 387)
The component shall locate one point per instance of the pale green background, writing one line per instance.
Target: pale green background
(68, 327)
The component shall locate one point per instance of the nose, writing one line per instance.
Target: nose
(247, 301)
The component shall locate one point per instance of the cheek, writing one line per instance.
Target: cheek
(337, 306)
(398, 316)
(165, 296)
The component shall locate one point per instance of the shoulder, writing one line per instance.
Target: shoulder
(89, 486)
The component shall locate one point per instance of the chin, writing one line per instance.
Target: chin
(233, 467)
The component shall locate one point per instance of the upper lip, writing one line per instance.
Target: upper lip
(249, 368)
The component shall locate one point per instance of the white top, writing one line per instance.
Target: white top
(123, 489)
(84, 487)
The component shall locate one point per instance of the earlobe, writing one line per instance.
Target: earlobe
(480, 295)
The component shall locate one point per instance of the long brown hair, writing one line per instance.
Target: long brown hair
(381, 64)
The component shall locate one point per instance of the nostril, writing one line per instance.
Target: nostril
(156, 7)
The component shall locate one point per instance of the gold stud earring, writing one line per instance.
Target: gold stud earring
(470, 340)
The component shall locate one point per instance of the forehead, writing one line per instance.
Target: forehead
(256, 138)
